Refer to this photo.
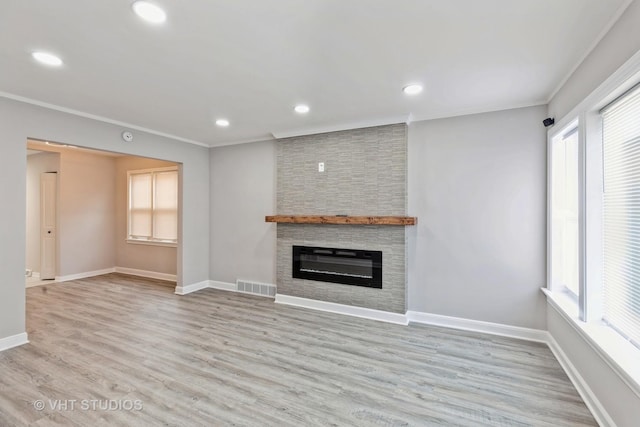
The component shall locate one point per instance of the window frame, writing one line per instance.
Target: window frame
(572, 126)
(152, 241)
(585, 314)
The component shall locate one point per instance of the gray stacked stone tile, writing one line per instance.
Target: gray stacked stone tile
(365, 174)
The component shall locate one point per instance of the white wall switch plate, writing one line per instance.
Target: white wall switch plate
(321, 167)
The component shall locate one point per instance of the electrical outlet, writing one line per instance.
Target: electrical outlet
(321, 167)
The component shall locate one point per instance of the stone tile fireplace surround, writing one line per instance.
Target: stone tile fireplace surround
(365, 174)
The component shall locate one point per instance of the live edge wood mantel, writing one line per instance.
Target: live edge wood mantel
(342, 219)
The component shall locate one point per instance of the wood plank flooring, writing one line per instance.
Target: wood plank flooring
(219, 358)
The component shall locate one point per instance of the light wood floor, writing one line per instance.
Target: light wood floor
(220, 358)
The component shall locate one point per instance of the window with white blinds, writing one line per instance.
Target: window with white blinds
(621, 225)
(153, 205)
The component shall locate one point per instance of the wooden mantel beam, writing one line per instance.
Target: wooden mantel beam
(342, 219)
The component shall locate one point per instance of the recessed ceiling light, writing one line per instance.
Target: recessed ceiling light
(301, 109)
(149, 12)
(222, 122)
(47, 58)
(412, 89)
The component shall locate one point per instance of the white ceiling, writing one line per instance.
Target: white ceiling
(252, 61)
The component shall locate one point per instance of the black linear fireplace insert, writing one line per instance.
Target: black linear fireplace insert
(346, 266)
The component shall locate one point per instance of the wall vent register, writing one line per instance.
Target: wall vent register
(346, 266)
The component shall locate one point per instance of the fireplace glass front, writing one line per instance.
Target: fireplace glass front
(346, 266)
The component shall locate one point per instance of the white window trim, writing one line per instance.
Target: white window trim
(150, 242)
(551, 136)
(615, 350)
(169, 244)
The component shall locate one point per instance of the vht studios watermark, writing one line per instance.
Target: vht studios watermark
(87, 405)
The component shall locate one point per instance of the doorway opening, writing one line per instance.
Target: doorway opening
(79, 215)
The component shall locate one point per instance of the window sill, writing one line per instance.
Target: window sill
(617, 352)
(152, 243)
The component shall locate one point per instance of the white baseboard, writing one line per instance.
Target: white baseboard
(146, 273)
(349, 310)
(13, 341)
(184, 290)
(84, 275)
(418, 317)
(123, 270)
(597, 410)
(223, 286)
(528, 334)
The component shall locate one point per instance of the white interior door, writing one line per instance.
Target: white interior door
(48, 234)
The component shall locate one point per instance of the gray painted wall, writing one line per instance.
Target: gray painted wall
(615, 48)
(243, 192)
(20, 121)
(461, 171)
(478, 187)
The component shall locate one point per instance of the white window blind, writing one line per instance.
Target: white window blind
(621, 227)
(153, 205)
(140, 205)
(165, 209)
